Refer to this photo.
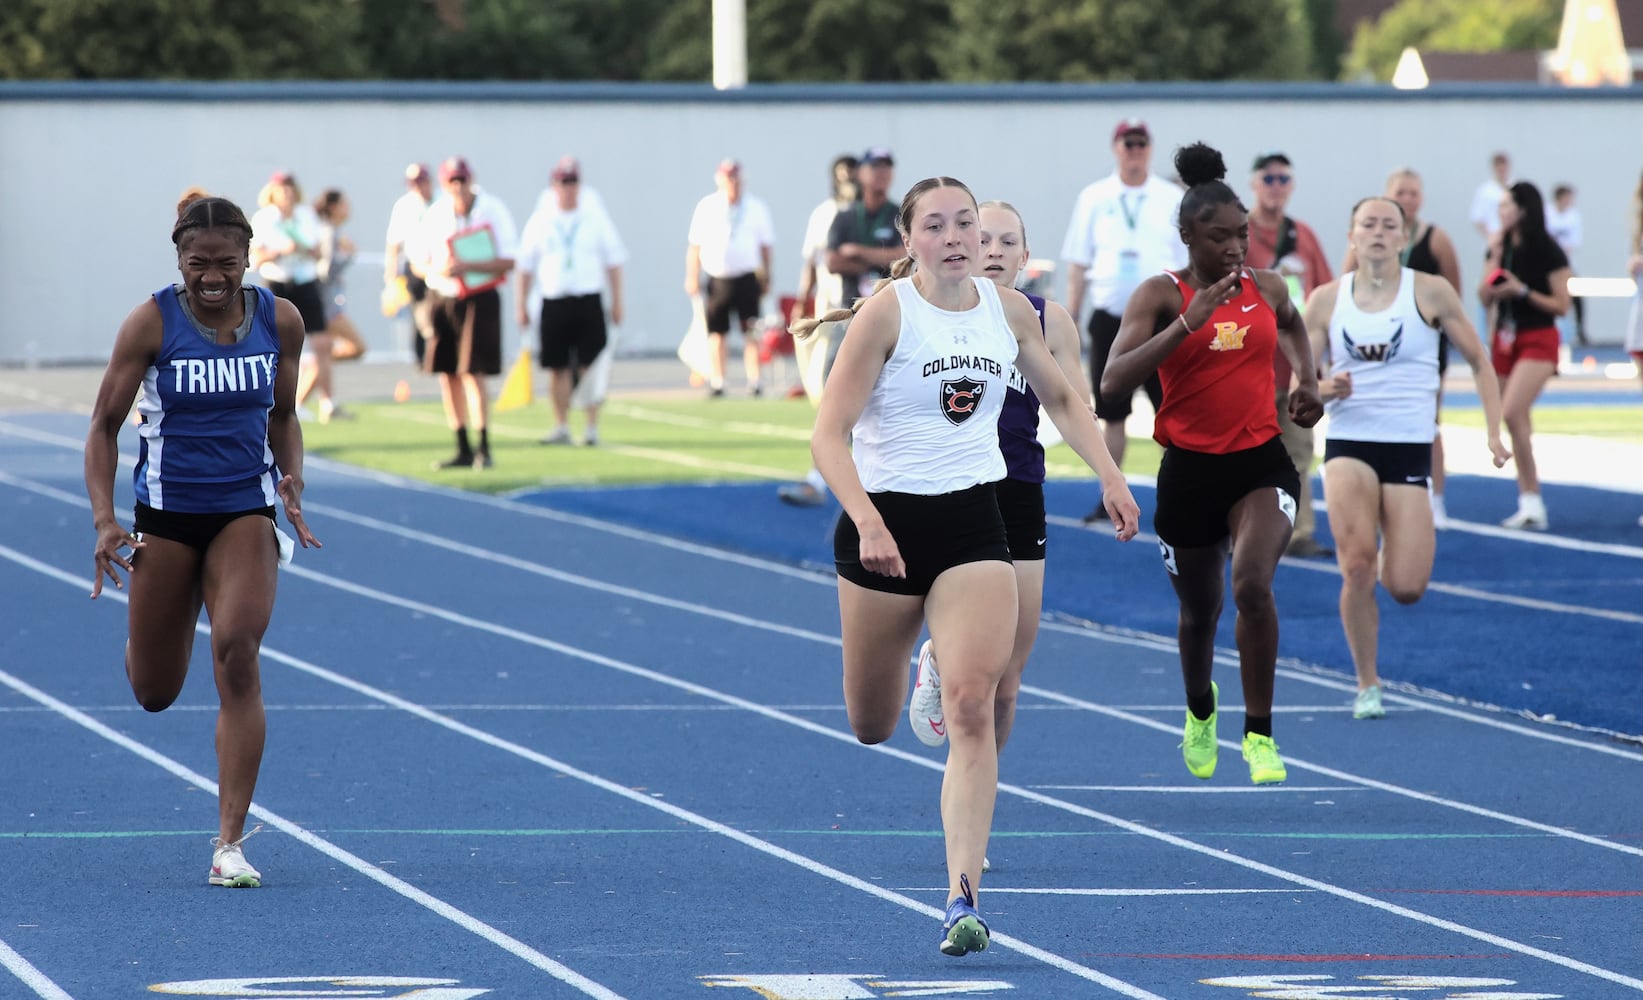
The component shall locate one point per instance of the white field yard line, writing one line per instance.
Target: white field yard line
(678, 458)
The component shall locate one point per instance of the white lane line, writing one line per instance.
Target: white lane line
(1453, 589)
(802, 861)
(1200, 789)
(471, 924)
(525, 753)
(1122, 893)
(1298, 670)
(536, 568)
(1125, 636)
(33, 978)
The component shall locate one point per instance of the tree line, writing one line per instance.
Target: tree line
(952, 41)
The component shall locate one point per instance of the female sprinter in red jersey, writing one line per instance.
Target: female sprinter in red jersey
(1209, 331)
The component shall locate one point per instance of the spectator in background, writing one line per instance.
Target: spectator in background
(1525, 288)
(862, 244)
(336, 253)
(465, 328)
(1429, 250)
(285, 251)
(1123, 229)
(1287, 245)
(567, 255)
(404, 225)
(1563, 225)
(1634, 266)
(1485, 211)
(731, 240)
(820, 290)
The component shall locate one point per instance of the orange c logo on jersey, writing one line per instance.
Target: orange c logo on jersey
(1228, 337)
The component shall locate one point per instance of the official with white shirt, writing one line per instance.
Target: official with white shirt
(567, 254)
(731, 241)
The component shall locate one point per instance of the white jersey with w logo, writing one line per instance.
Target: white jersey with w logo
(1392, 356)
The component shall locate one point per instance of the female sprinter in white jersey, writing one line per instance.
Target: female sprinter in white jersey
(917, 388)
(1376, 332)
(1021, 491)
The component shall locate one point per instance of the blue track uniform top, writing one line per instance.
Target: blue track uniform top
(204, 410)
(1018, 422)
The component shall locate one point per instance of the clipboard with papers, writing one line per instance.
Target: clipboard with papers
(474, 245)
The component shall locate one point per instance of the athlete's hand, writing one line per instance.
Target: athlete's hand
(1204, 303)
(290, 492)
(1122, 509)
(1305, 408)
(1335, 386)
(879, 553)
(1500, 451)
(111, 538)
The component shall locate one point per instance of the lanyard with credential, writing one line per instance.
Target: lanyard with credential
(567, 239)
(1131, 218)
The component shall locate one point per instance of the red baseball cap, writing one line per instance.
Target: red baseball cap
(566, 168)
(1130, 126)
(417, 172)
(455, 168)
(730, 168)
(283, 177)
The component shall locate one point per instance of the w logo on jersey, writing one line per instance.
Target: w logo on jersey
(960, 397)
(1374, 352)
(1228, 337)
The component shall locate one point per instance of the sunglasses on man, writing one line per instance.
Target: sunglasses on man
(1280, 180)
(1137, 142)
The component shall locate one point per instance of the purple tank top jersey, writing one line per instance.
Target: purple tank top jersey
(1018, 423)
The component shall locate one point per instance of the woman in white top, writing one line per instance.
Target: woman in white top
(285, 252)
(1375, 334)
(918, 385)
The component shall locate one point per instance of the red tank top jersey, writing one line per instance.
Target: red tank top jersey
(1218, 382)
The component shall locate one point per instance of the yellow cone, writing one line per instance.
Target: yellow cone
(516, 391)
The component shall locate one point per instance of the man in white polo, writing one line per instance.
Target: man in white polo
(1123, 229)
(732, 238)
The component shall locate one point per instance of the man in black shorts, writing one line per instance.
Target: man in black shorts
(731, 240)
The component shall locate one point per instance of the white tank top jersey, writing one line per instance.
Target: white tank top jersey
(931, 424)
(1392, 356)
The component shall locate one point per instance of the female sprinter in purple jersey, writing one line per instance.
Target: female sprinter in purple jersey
(1021, 492)
(217, 366)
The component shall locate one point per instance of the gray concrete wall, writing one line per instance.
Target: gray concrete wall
(92, 171)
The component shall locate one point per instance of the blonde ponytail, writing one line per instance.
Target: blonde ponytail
(807, 326)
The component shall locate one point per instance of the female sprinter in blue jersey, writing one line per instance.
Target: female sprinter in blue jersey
(217, 363)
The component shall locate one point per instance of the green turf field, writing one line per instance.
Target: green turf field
(1590, 421)
(694, 440)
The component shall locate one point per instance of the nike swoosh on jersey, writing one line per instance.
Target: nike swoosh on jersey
(1249, 307)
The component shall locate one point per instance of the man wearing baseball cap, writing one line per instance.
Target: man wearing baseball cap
(727, 263)
(1123, 230)
(404, 222)
(465, 342)
(1287, 245)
